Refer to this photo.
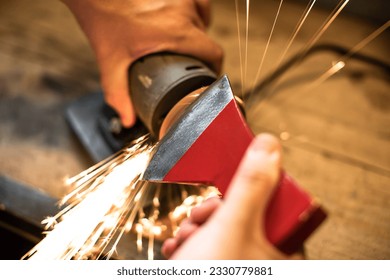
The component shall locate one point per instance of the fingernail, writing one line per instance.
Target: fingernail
(265, 143)
(127, 121)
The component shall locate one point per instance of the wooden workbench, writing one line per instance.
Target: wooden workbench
(335, 135)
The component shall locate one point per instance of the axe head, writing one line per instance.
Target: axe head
(206, 144)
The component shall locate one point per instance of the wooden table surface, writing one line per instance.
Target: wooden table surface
(335, 134)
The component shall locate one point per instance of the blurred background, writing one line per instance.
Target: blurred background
(335, 132)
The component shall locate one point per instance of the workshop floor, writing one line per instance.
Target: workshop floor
(335, 134)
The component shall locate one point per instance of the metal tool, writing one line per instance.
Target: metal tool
(205, 146)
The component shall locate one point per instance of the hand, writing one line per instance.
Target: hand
(120, 32)
(233, 228)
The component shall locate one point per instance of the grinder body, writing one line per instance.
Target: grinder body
(159, 81)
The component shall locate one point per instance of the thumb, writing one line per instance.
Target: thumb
(255, 180)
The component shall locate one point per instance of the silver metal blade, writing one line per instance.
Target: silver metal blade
(187, 129)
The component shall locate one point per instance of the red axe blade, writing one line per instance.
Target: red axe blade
(206, 144)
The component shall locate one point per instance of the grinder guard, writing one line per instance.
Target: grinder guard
(159, 81)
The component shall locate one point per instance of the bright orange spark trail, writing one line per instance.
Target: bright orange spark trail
(267, 46)
(297, 29)
(340, 64)
(97, 206)
(340, 6)
(107, 201)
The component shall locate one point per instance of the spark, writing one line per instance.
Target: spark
(367, 40)
(330, 72)
(139, 229)
(297, 29)
(331, 18)
(340, 64)
(49, 222)
(267, 45)
(246, 41)
(239, 46)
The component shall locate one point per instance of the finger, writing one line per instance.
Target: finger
(201, 213)
(199, 45)
(204, 11)
(116, 92)
(185, 231)
(255, 180)
(184, 222)
(169, 247)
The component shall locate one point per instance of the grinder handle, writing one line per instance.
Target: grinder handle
(158, 81)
